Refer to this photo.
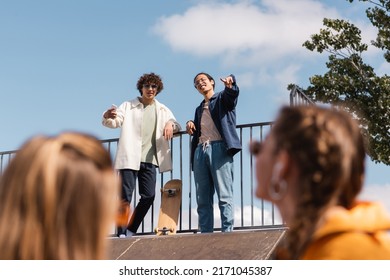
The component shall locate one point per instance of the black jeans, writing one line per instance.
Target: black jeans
(147, 189)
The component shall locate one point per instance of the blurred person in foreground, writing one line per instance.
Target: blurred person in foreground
(311, 166)
(58, 199)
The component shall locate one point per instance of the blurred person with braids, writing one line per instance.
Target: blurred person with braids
(311, 166)
(58, 199)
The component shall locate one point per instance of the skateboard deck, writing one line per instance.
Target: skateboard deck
(169, 208)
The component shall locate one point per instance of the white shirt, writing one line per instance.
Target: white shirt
(129, 118)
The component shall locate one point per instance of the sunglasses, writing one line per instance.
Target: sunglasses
(150, 86)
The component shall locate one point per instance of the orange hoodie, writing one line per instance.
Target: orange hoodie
(361, 233)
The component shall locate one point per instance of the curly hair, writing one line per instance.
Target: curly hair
(150, 78)
(328, 147)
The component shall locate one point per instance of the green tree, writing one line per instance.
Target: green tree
(350, 82)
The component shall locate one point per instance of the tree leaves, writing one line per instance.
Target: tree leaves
(352, 83)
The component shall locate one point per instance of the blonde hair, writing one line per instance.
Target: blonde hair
(58, 199)
(327, 146)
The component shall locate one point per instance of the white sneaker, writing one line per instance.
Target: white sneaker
(122, 235)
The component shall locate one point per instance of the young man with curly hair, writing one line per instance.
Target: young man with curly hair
(147, 126)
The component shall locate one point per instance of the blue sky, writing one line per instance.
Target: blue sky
(62, 63)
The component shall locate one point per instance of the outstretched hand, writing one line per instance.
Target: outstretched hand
(110, 113)
(228, 81)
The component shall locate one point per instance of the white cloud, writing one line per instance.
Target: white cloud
(244, 31)
(263, 37)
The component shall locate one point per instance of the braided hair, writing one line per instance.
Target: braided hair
(328, 148)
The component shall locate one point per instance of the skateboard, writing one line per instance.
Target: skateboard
(169, 208)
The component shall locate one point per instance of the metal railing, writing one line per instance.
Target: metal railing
(298, 97)
(250, 212)
(5, 158)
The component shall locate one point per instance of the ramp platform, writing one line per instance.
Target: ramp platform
(237, 245)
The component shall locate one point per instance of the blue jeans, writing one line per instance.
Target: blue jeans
(213, 172)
